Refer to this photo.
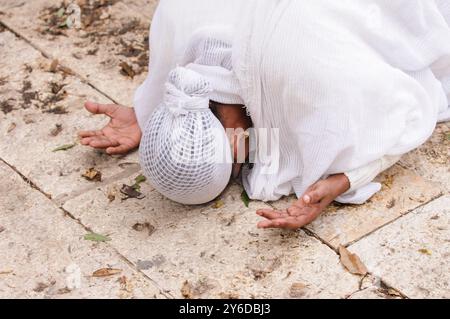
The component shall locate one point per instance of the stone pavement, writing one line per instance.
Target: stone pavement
(152, 247)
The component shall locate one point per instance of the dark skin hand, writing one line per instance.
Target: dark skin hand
(120, 136)
(306, 209)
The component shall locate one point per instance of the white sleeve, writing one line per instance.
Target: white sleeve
(361, 185)
(364, 175)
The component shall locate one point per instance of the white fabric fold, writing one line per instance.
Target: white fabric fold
(346, 82)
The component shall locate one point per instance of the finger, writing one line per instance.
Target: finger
(89, 133)
(94, 140)
(116, 150)
(270, 213)
(102, 143)
(97, 108)
(283, 223)
(314, 196)
(86, 140)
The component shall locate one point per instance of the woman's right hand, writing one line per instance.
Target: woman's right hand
(121, 135)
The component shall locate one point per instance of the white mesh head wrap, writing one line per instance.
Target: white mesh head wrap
(184, 150)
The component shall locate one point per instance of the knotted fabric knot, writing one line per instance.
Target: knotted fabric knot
(186, 91)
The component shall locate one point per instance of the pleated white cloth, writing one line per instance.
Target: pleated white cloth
(349, 83)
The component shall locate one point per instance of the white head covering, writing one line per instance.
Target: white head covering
(184, 151)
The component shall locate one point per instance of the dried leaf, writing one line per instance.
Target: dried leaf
(352, 262)
(130, 192)
(111, 197)
(391, 203)
(298, 290)
(64, 291)
(245, 199)
(425, 251)
(393, 292)
(55, 131)
(40, 287)
(53, 66)
(2, 229)
(186, 290)
(93, 175)
(11, 127)
(66, 70)
(6, 272)
(142, 226)
(127, 70)
(106, 272)
(96, 237)
(125, 284)
(218, 204)
(64, 147)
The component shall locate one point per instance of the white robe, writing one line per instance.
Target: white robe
(348, 83)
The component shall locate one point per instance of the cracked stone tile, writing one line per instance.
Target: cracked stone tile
(108, 35)
(213, 250)
(44, 252)
(413, 253)
(432, 160)
(30, 132)
(402, 192)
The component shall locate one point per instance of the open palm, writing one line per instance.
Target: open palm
(121, 135)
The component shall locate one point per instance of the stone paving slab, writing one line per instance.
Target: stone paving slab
(43, 252)
(412, 254)
(213, 252)
(110, 34)
(144, 7)
(28, 128)
(432, 160)
(402, 192)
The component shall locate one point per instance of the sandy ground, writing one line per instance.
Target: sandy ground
(152, 247)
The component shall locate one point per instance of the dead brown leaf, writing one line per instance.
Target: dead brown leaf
(298, 290)
(40, 287)
(186, 290)
(11, 127)
(425, 251)
(125, 284)
(391, 203)
(127, 70)
(130, 192)
(66, 70)
(2, 229)
(93, 175)
(56, 130)
(64, 291)
(106, 272)
(53, 66)
(191, 291)
(218, 204)
(6, 272)
(393, 292)
(59, 110)
(143, 226)
(351, 262)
